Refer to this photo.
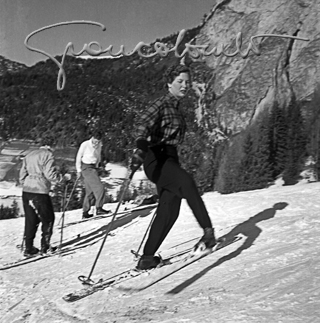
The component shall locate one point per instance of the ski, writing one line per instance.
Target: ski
(133, 274)
(119, 278)
(111, 281)
(122, 214)
(100, 285)
(152, 277)
(96, 217)
(37, 257)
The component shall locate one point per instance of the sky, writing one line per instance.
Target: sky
(127, 23)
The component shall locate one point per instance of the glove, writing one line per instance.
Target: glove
(67, 177)
(137, 159)
(64, 178)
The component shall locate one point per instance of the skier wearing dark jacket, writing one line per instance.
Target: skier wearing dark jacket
(159, 131)
(36, 174)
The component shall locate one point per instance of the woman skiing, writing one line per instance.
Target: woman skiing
(158, 133)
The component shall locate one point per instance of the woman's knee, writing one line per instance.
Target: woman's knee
(188, 185)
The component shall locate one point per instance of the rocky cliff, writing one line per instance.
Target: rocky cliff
(285, 68)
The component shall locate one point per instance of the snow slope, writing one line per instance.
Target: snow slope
(272, 275)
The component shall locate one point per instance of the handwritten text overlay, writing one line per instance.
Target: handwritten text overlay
(161, 49)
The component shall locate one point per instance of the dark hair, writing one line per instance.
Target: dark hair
(173, 71)
(97, 134)
(48, 140)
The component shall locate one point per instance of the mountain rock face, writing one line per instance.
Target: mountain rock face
(285, 68)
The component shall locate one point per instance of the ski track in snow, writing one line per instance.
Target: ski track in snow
(271, 275)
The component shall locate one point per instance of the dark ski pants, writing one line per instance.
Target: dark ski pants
(93, 186)
(173, 183)
(37, 208)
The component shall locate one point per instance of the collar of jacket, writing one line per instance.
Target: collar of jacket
(46, 147)
(172, 98)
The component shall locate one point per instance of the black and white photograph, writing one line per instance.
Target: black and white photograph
(159, 161)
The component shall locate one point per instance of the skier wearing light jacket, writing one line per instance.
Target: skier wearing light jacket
(158, 132)
(37, 174)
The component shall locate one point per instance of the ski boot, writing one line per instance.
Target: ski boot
(148, 262)
(31, 252)
(48, 250)
(101, 211)
(86, 215)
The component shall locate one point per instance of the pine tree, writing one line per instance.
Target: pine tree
(279, 141)
(318, 163)
(256, 169)
(15, 209)
(317, 157)
(262, 169)
(246, 164)
(296, 144)
(2, 215)
(217, 155)
(313, 145)
(228, 174)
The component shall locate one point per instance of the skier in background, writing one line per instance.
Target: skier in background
(87, 162)
(36, 175)
(158, 132)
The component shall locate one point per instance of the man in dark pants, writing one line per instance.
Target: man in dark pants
(36, 174)
(38, 209)
(159, 131)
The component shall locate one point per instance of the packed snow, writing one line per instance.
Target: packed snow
(271, 275)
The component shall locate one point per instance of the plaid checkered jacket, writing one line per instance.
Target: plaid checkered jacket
(162, 123)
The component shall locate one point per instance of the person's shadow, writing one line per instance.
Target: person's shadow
(249, 229)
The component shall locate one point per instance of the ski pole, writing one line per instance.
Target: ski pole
(62, 224)
(136, 253)
(87, 280)
(66, 205)
(21, 246)
(23, 242)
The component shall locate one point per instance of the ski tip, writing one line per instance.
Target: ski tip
(70, 298)
(67, 298)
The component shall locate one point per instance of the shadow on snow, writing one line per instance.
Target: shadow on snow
(249, 229)
(99, 233)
